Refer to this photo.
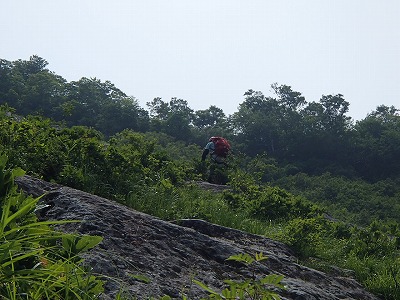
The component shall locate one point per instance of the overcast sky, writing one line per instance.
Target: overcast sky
(210, 52)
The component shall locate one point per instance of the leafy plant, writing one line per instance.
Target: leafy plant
(37, 262)
(250, 288)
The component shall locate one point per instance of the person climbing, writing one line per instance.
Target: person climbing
(218, 148)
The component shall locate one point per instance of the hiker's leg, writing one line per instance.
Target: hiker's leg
(220, 174)
(212, 174)
(224, 176)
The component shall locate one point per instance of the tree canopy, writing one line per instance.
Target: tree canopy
(313, 137)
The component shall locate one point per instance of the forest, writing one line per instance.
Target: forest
(300, 172)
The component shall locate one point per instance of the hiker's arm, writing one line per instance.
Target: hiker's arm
(204, 155)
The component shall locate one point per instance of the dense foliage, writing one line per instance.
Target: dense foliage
(302, 172)
(32, 89)
(314, 137)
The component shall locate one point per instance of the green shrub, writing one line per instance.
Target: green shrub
(271, 203)
(351, 200)
(372, 241)
(305, 236)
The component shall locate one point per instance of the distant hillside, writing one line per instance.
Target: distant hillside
(309, 137)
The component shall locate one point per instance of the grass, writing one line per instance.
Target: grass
(380, 275)
(194, 203)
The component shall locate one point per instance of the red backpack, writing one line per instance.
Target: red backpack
(222, 146)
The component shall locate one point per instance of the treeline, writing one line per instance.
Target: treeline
(310, 137)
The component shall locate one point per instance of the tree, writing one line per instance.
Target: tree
(5, 79)
(34, 65)
(158, 109)
(210, 122)
(334, 115)
(209, 118)
(32, 89)
(257, 125)
(173, 118)
(44, 92)
(113, 109)
(377, 144)
(29, 87)
(291, 123)
(287, 97)
(327, 133)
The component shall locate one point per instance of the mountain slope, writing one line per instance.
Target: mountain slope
(170, 254)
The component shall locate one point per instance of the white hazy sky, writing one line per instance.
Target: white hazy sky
(210, 52)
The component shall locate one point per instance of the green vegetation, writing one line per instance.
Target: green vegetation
(302, 173)
(251, 288)
(37, 262)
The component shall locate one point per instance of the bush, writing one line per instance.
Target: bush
(372, 241)
(271, 203)
(305, 236)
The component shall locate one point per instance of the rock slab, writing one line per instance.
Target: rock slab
(170, 254)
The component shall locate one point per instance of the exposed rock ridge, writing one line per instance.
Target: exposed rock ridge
(171, 254)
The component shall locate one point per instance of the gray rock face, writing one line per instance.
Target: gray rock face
(172, 254)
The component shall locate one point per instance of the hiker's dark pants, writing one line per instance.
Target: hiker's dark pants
(217, 173)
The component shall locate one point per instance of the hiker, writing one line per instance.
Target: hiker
(218, 149)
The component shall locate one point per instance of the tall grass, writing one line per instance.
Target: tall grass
(379, 274)
(191, 202)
